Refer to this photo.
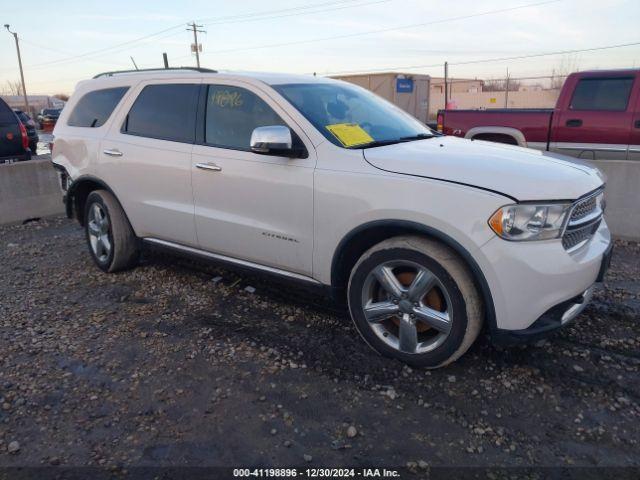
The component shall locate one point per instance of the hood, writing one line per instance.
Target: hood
(521, 173)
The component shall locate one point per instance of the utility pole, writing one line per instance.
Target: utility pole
(195, 27)
(446, 81)
(506, 93)
(165, 60)
(24, 89)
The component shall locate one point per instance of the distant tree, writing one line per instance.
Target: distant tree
(12, 87)
(62, 96)
(500, 85)
(568, 64)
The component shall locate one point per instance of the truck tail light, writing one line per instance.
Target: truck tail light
(440, 122)
(25, 138)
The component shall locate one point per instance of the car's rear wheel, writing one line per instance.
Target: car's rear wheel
(414, 299)
(112, 242)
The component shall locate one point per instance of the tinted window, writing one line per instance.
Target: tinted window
(6, 114)
(602, 94)
(232, 115)
(166, 112)
(24, 118)
(95, 108)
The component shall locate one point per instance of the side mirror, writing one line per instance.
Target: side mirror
(273, 140)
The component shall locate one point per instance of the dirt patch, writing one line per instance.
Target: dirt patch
(163, 366)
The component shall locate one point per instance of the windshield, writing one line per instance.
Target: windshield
(352, 117)
(51, 111)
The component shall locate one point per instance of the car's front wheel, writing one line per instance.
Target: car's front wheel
(112, 242)
(414, 299)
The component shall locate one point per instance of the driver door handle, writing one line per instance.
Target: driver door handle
(209, 166)
(113, 153)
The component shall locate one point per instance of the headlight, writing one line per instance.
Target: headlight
(528, 221)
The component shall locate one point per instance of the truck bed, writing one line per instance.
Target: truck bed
(534, 123)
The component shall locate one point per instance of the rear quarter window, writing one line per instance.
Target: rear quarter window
(165, 112)
(6, 114)
(95, 108)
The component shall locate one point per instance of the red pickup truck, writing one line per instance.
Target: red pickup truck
(597, 116)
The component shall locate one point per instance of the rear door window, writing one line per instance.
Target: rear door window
(95, 108)
(232, 115)
(165, 112)
(602, 94)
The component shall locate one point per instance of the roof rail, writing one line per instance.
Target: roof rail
(160, 69)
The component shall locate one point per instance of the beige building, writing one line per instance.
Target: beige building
(422, 96)
(408, 91)
(456, 85)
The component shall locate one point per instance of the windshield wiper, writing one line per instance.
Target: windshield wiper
(382, 143)
(377, 143)
(419, 136)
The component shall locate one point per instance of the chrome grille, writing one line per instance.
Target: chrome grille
(584, 208)
(584, 220)
(575, 237)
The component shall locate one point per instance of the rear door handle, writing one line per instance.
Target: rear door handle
(209, 166)
(113, 153)
(574, 122)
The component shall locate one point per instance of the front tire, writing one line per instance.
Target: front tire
(413, 299)
(112, 243)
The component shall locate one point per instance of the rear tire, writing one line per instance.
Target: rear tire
(414, 299)
(112, 242)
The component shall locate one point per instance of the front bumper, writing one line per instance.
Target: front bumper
(552, 320)
(536, 285)
(556, 317)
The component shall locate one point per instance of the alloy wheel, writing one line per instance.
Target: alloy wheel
(407, 306)
(98, 228)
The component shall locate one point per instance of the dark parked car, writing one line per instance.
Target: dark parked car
(30, 125)
(14, 142)
(49, 115)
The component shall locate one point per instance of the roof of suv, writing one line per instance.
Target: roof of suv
(265, 77)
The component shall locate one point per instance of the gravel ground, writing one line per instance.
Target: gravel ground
(168, 365)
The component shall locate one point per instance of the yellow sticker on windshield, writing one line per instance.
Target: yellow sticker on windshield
(350, 134)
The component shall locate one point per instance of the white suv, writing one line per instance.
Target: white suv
(428, 238)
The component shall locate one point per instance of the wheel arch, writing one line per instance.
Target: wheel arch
(78, 192)
(509, 132)
(363, 237)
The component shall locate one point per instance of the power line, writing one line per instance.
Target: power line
(62, 52)
(234, 18)
(231, 18)
(340, 6)
(488, 60)
(102, 50)
(384, 30)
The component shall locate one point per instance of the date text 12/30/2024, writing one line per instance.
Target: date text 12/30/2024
(316, 473)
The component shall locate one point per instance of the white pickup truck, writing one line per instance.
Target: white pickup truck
(428, 238)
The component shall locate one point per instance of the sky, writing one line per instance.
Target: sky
(64, 42)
